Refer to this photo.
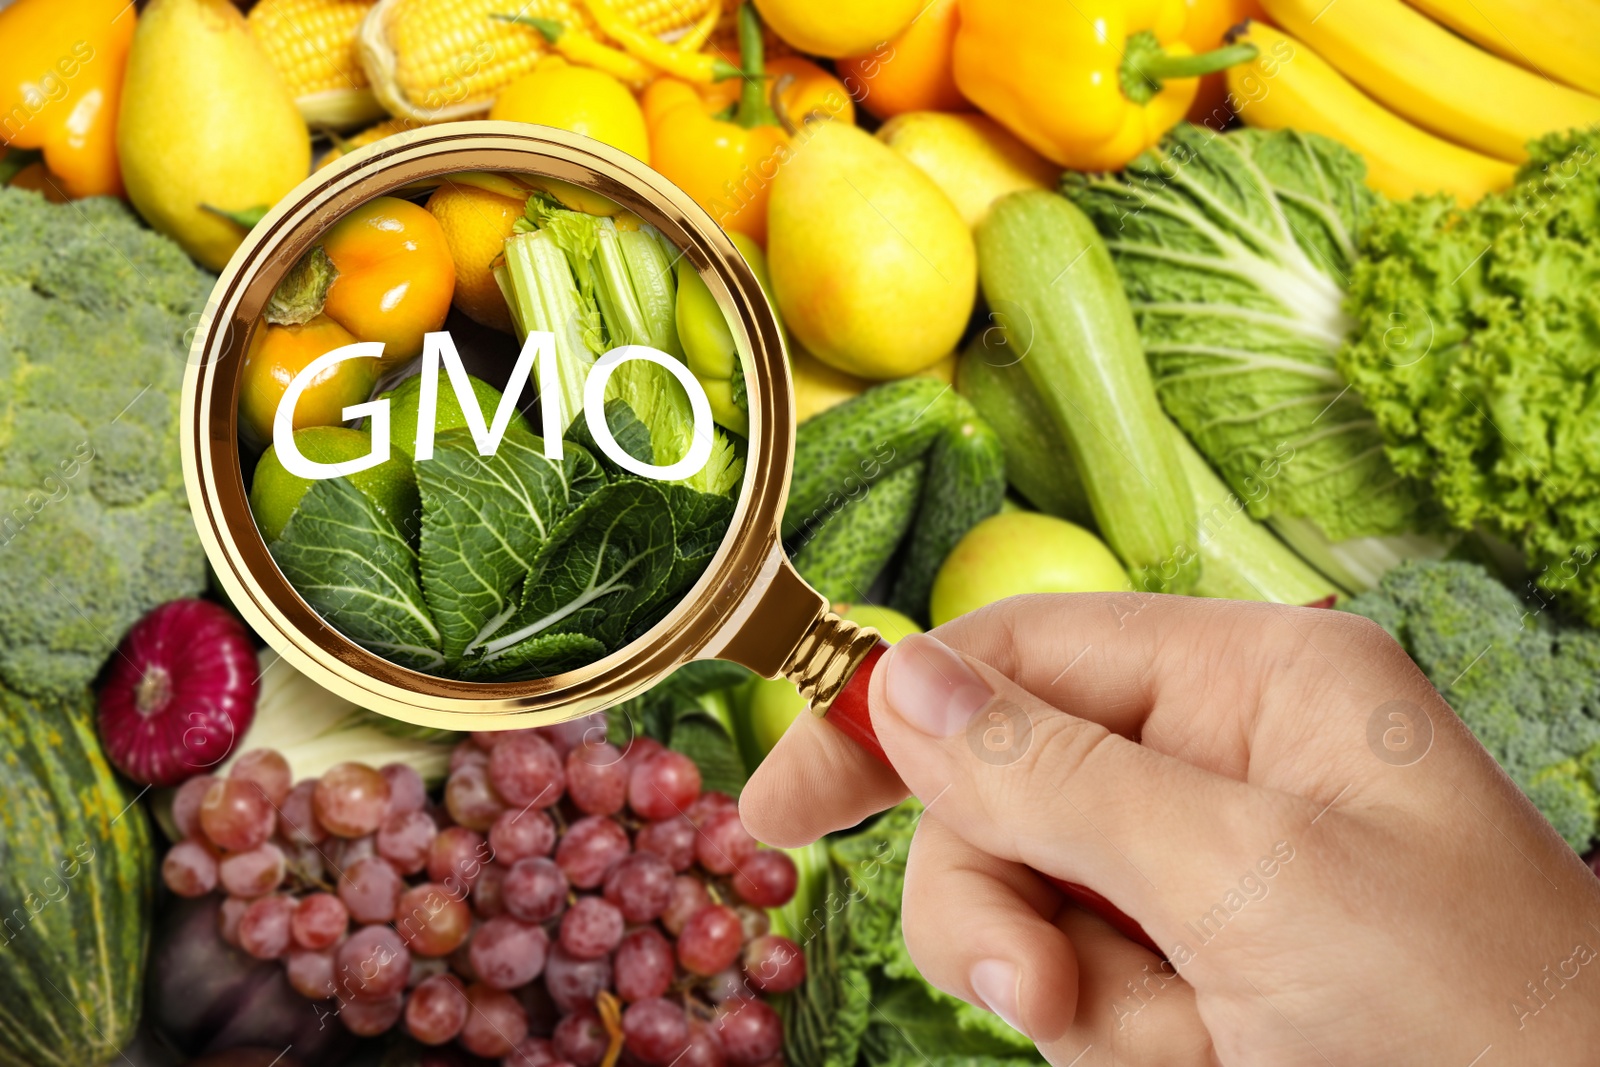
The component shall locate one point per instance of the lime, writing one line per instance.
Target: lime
(391, 485)
(447, 413)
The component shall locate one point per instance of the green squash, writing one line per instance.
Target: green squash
(77, 880)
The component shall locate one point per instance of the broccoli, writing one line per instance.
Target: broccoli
(94, 527)
(1525, 683)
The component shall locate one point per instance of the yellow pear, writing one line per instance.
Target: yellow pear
(873, 269)
(206, 123)
(970, 157)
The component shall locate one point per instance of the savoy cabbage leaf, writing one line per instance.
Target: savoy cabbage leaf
(484, 520)
(356, 569)
(602, 564)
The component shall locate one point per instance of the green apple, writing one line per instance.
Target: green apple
(775, 703)
(1022, 552)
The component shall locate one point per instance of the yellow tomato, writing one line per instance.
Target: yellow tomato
(278, 353)
(580, 99)
(396, 276)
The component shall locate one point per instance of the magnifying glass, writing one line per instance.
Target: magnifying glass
(747, 604)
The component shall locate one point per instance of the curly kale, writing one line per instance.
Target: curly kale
(94, 528)
(1525, 683)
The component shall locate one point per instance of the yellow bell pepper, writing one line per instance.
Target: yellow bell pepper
(727, 166)
(1088, 85)
(61, 64)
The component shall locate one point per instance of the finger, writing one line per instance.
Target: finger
(813, 782)
(979, 929)
(1114, 656)
(994, 934)
(1133, 1009)
(1030, 783)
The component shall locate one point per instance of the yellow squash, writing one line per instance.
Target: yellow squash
(1434, 78)
(1288, 86)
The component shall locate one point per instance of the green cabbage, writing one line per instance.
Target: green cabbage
(1235, 250)
(1478, 350)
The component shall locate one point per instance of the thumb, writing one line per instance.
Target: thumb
(1028, 782)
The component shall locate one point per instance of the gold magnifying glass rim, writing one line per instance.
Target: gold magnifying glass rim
(218, 496)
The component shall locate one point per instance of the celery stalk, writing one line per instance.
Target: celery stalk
(545, 297)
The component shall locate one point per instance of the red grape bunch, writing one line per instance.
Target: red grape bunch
(565, 904)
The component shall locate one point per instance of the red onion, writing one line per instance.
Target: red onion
(181, 689)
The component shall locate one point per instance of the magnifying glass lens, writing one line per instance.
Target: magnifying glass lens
(506, 487)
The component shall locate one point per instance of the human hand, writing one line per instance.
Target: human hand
(1206, 765)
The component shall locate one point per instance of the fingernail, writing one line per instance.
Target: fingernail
(995, 983)
(931, 687)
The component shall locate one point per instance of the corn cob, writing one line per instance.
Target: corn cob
(312, 45)
(438, 60)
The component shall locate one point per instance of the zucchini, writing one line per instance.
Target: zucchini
(1048, 273)
(965, 483)
(77, 878)
(990, 376)
(848, 551)
(1240, 559)
(842, 450)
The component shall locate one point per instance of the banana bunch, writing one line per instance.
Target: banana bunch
(1404, 84)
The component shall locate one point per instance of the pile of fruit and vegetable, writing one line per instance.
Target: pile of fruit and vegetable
(1280, 301)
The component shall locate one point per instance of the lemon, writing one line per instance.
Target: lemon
(447, 413)
(476, 224)
(391, 485)
(580, 99)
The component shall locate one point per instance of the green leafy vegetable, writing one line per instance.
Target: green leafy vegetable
(863, 998)
(357, 570)
(1527, 685)
(484, 520)
(604, 562)
(95, 529)
(1235, 251)
(1477, 348)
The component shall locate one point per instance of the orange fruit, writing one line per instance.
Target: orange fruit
(476, 224)
(278, 353)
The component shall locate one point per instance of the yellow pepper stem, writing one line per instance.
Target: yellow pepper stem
(754, 110)
(1145, 66)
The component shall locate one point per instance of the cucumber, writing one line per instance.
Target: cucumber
(845, 555)
(839, 452)
(966, 482)
(1037, 464)
(1048, 273)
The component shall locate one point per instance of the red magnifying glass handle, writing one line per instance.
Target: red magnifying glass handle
(849, 713)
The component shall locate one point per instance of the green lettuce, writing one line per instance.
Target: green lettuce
(1235, 250)
(863, 999)
(1477, 348)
